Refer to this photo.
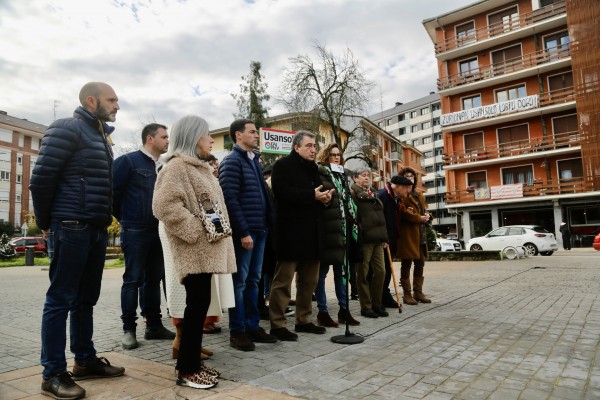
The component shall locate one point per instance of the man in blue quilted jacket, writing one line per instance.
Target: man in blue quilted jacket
(251, 213)
(71, 191)
(134, 176)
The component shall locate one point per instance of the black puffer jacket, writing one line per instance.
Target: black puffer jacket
(72, 178)
(370, 215)
(332, 240)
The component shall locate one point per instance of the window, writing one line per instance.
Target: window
(388, 122)
(428, 154)
(439, 167)
(503, 21)
(18, 198)
(471, 102)
(425, 111)
(379, 124)
(570, 169)
(476, 179)
(557, 45)
(436, 121)
(19, 160)
(588, 215)
(427, 139)
(414, 128)
(505, 60)
(469, 67)
(22, 140)
(436, 106)
(465, 33)
(4, 196)
(6, 135)
(510, 93)
(416, 142)
(523, 174)
(401, 131)
(565, 126)
(426, 125)
(19, 178)
(439, 151)
(560, 85)
(4, 175)
(473, 142)
(438, 136)
(400, 117)
(513, 136)
(414, 114)
(429, 169)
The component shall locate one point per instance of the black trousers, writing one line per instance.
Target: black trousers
(197, 301)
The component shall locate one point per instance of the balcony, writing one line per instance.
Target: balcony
(555, 57)
(548, 102)
(490, 34)
(528, 148)
(530, 191)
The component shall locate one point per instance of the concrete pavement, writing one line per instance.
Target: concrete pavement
(521, 329)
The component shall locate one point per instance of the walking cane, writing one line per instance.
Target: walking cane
(387, 249)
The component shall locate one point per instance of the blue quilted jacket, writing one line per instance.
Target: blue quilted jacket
(72, 178)
(240, 185)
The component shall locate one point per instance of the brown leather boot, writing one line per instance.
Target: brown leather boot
(324, 319)
(204, 354)
(407, 297)
(342, 318)
(418, 290)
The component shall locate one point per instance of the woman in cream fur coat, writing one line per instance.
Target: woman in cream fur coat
(185, 177)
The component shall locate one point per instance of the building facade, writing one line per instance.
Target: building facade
(19, 145)
(518, 84)
(417, 124)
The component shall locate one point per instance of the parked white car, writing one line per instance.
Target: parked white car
(533, 238)
(447, 245)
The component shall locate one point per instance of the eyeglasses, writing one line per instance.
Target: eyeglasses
(335, 154)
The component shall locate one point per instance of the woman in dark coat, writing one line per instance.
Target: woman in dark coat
(373, 239)
(338, 223)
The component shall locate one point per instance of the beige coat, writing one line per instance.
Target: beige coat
(178, 188)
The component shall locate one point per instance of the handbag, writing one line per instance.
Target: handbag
(212, 217)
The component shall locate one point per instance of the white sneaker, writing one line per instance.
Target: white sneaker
(129, 341)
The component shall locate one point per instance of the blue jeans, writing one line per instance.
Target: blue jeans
(75, 277)
(340, 288)
(144, 268)
(245, 316)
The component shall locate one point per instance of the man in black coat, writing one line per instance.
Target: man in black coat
(299, 201)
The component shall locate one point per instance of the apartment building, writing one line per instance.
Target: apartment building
(417, 124)
(19, 144)
(518, 84)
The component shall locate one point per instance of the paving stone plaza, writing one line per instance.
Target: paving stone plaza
(521, 329)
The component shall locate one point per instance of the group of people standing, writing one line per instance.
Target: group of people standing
(207, 231)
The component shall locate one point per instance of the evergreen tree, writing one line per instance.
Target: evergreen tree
(7, 250)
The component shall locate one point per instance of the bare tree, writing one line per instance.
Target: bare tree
(330, 87)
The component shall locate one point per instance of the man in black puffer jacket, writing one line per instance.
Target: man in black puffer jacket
(71, 190)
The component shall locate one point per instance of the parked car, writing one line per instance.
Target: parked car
(447, 245)
(38, 244)
(533, 238)
(596, 243)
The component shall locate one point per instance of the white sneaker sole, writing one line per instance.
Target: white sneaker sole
(184, 382)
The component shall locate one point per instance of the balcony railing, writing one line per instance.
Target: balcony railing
(538, 187)
(501, 27)
(511, 65)
(515, 148)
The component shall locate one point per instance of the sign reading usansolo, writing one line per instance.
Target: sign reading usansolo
(275, 141)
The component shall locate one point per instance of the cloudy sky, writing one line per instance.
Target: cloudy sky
(169, 58)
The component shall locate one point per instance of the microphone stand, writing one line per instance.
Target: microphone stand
(347, 337)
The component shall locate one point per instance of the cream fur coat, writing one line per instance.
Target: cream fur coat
(176, 193)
